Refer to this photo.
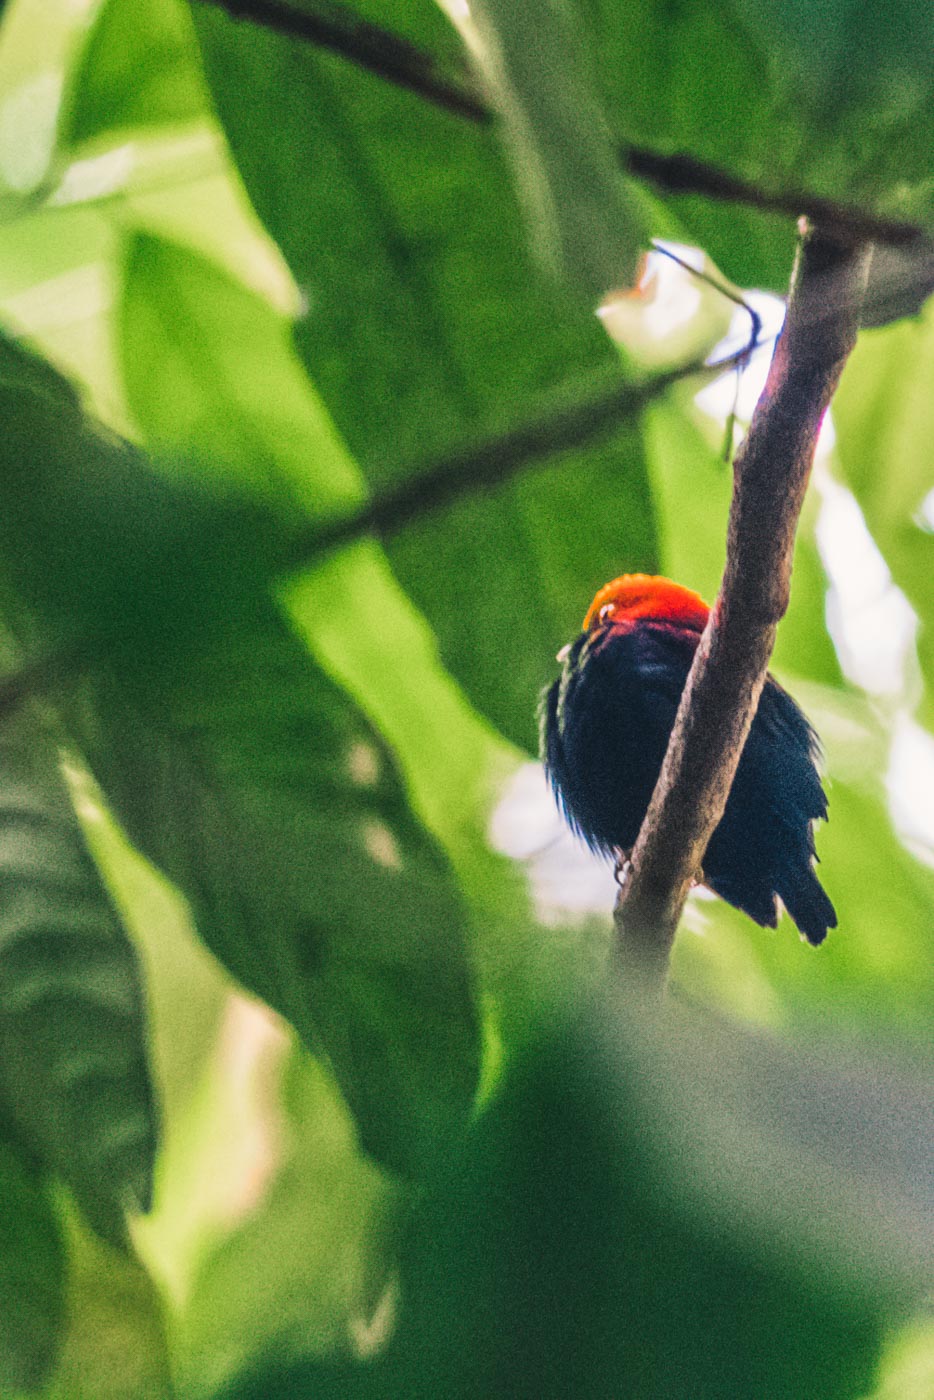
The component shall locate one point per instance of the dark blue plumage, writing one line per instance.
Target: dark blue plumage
(605, 725)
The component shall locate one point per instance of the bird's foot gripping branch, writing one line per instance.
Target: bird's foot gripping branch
(708, 685)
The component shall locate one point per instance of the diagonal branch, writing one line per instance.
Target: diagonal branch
(399, 61)
(371, 47)
(493, 460)
(771, 474)
(463, 472)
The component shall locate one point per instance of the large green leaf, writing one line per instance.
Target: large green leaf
(645, 1210)
(32, 1268)
(114, 1344)
(245, 774)
(106, 553)
(428, 321)
(646, 1275)
(209, 365)
(852, 63)
(252, 781)
(73, 1067)
(577, 1251)
(319, 1237)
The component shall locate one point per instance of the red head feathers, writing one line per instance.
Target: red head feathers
(633, 596)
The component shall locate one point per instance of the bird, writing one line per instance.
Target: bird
(604, 728)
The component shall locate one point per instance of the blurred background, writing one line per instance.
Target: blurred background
(247, 253)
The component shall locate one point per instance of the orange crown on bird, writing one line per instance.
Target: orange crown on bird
(634, 596)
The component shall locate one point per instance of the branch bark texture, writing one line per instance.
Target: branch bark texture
(771, 474)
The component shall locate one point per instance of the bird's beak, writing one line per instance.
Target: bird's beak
(564, 653)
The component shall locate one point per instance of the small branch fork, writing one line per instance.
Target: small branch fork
(771, 473)
(399, 61)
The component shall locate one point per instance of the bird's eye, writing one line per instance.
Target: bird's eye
(606, 612)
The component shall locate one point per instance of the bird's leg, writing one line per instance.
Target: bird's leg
(623, 868)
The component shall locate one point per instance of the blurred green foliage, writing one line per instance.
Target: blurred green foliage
(258, 951)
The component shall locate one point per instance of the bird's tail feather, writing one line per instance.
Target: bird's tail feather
(808, 905)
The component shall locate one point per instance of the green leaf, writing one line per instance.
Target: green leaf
(850, 55)
(885, 420)
(73, 1068)
(32, 1268)
(907, 1371)
(307, 874)
(253, 782)
(138, 68)
(664, 76)
(794, 104)
(428, 321)
(107, 553)
(324, 1204)
(210, 367)
(207, 363)
(24, 372)
(646, 1209)
(427, 317)
(534, 557)
(581, 218)
(114, 1344)
(685, 1223)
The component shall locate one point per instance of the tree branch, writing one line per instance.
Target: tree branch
(683, 174)
(462, 472)
(771, 474)
(369, 46)
(494, 460)
(399, 61)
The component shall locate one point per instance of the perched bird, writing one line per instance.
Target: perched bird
(605, 725)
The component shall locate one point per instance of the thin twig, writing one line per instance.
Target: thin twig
(369, 46)
(399, 61)
(494, 460)
(490, 462)
(770, 479)
(726, 290)
(683, 174)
